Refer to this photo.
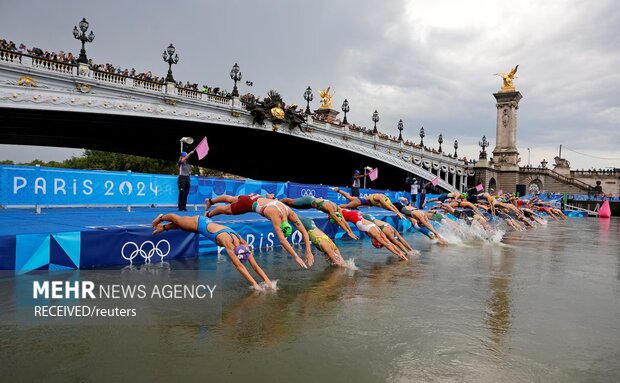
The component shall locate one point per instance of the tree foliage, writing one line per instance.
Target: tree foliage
(100, 160)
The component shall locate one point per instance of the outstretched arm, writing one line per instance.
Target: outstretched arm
(258, 270)
(244, 272)
(287, 246)
(392, 208)
(343, 224)
(295, 220)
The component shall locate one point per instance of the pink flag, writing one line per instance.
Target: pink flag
(374, 174)
(479, 188)
(500, 192)
(435, 181)
(202, 148)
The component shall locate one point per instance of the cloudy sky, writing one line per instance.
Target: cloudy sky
(429, 63)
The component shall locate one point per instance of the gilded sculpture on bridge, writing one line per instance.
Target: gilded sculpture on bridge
(273, 108)
(508, 78)
(326, 98)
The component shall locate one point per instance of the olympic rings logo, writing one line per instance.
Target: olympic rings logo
(308, 192)
(146, 250)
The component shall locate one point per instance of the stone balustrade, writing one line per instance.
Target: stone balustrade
(195, 104)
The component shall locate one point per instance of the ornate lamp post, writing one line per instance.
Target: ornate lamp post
(400, 130)
(422, 134)
(456, 146)
(308, 97)
(83, 38)
(345, 109)
(375, 119)
(483, 144)
(440, 140)
(170, 58)
(235, 75)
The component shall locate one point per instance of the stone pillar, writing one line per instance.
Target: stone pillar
(171, 88)
(83, 70)
(505, 154)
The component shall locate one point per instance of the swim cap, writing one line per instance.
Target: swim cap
(286, 228)
(183, 154)
(357, 172)
(242, 252)
(376, 243)
(332, 220)
(463, 195)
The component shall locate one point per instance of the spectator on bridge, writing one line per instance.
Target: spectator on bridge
(236, 247)
(183, 180)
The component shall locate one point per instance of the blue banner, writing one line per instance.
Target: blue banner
(296, 190)
(134, 246)
(34, 185)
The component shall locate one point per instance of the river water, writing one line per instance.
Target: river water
(540, 305)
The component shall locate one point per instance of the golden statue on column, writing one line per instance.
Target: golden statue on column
(508, 79)
(326, 98)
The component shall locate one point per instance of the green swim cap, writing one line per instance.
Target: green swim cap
(332, 220)
(286, 228)
(463, 195)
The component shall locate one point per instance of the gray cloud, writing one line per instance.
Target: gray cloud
(430, 64)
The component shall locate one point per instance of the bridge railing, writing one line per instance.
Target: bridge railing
(109, 77)
(335, 128)
(189, 93)
(557, 176)
(10, 56)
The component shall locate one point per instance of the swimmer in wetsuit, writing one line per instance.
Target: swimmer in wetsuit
(323, 242)
(419, 217)
(379, 239)
(279, 214)
(321, 204)
(236, 247)
(375, 199)
(236, 205)
(391, 234)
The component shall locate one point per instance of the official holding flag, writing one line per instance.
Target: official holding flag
(185, 169)
(183, 180)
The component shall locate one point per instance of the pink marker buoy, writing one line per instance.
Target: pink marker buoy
(605, 210)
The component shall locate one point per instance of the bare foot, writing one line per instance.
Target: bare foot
(158, 229)
(207, 204)
(335, 189)
(157, 220)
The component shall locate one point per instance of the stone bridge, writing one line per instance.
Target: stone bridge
(49, 103)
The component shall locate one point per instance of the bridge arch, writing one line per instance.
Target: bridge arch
(86, 109)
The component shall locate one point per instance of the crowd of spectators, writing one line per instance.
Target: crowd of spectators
(68, 58)
(365, 130)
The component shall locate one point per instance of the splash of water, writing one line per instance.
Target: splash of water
(262, 286)
(350, 264)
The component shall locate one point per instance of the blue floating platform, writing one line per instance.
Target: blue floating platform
(83, 238)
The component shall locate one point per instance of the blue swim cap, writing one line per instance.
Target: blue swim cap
(357, 172)
(183, 154)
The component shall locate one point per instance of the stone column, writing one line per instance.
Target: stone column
(505, 154)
